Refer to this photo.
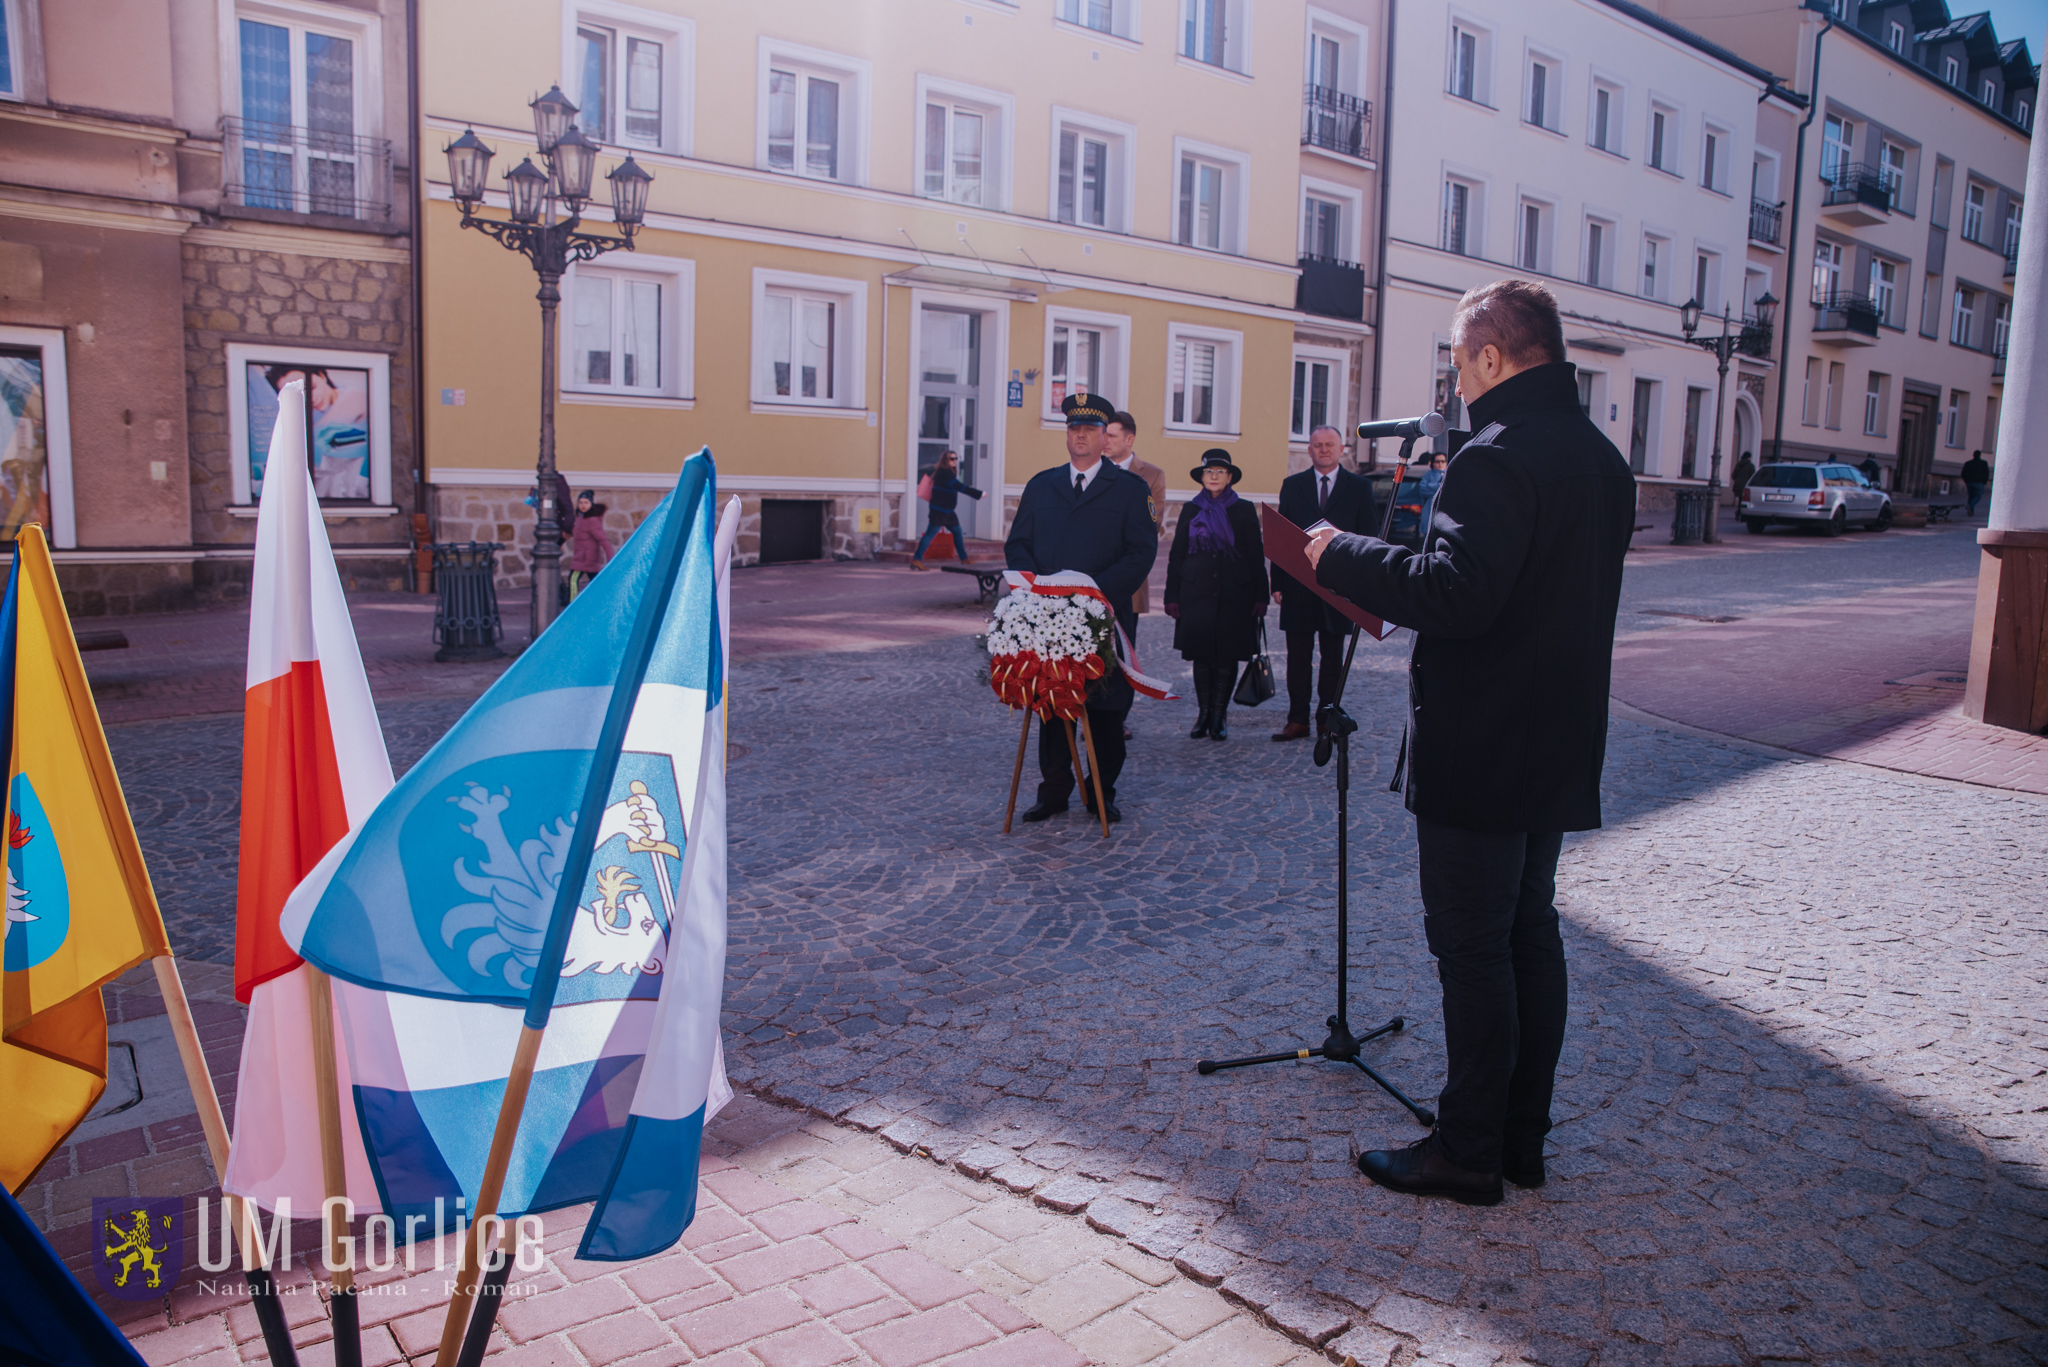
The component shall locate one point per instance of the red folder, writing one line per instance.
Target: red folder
(1287, 548)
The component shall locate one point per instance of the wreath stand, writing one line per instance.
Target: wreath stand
(1094, 773)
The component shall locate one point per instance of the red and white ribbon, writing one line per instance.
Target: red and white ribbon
(1073, 583)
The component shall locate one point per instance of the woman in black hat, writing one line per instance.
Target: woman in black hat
(1216, 587)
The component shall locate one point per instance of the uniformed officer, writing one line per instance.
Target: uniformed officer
(1086, 515)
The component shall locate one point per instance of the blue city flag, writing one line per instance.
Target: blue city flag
(46, 1319)
(594, 764)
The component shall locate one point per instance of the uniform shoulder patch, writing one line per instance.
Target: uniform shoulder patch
(1486, 435)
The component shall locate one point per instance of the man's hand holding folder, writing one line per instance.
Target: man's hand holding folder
(1290, 548)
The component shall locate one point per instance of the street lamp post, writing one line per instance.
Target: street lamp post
(547, 207)
(1755, 340)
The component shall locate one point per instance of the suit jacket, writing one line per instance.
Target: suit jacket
(1351, 509)
(1513, 599)
(1155, 480)
(1106, 534)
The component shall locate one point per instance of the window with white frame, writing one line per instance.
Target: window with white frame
(809, 335)
(1692, 434)
(1543, 92)
(1715, 145)
(1973, 212)
(1988, 93)
(347, 397)
(1203, 366)
(1884, 290)
(627, 68)
(1874, 404)
(2012, 230)
(1706, 279)
(1212, 32)
(1336, 54)
(1103, 16)
(1810, 392)
(1958, 418)
(1210, 185)
(1663, 153)
(813, 114)
(2001, 326)
(1091, 171)
(1604, 115)
(1827, 271)
(1330, 218)
(1464, 209)
(1321, 379)
(1533, 220)
(1951, 71)
(1963, 322)
(1470, 73)
(1085, 353)
(1895, 37)
(629, 329)
(1656, 277)
(1891, 173)
(1645, 418)
(963, 137)
(1755, 285)
(12, 58)
(307, 92)
(1837, 148)
(2021, 112)
(1600, 252)
(1832, 400)
(35, 431)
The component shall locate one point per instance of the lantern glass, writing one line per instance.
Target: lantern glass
(469, 162)
(1766, 310)
(574, 162)
(1689, 316)
(553, 115)
(629, 193)
(525, 184)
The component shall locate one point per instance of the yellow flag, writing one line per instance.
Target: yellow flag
(80, 909)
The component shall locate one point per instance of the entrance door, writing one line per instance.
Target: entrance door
(1918, 422)
(952, 410)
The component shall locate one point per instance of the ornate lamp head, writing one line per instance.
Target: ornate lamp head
(553, 115)
(629, 193)
(1689, 316)
(1766, 311)
(574, 162)
(525, 184)
(469, 162)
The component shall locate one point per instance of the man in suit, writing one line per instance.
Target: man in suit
(1325, 492)
(1512, 599)
(1119, 441)
(1086, 515)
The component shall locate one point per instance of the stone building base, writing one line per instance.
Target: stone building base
(128, 588)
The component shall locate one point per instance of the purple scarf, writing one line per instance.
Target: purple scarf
(1210, 530)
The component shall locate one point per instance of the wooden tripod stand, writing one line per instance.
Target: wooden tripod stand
(1094, 773)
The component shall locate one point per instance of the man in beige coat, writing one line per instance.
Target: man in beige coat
(1118, 440)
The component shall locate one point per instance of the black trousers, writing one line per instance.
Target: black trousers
(1488, 910)
(1301, 647)
(1056, 766)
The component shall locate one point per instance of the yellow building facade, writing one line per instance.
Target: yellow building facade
(875, 231)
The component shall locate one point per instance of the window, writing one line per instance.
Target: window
(1891, 173)
(1656, 266)
(809, 332)
(963, 144)
(1884, 290)
(1874, 404)
(1944, 190)
(1461, 217)
(348, 415)
(1837, 148)
(626, 74)
(1605, 131)
(628, 333)
(1973, 213)
(1895, 37)
(2012, 230)
(1329, 219)
(2001, 326)
(1695, 414)
(35, 427)
(1091, 179)
(1664, 139)
(1212, 202)
(1202, 371)
(1087, 353)
(1599, 253)
(1470, 55)
(1532, 237)
(2020, 113)
(1930, 306)
(1104, 16)
(1827, 271)
(1545, 101)
(1991, 423)
(1642, 426)
(1958, 418)
(1212, 32)
(1447, 401)
(301, 87)
(1963, 324)
(1706, 279)
(813, 114)
(1714, 145)
(1321, 377)
(1988, 93)
(1951, 71)
(11, 84)
(1755, 284)
(1810, 393)
(1833, 398)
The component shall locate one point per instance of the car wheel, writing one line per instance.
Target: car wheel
(1755, 525)
(1837, 524)
(1884, 517)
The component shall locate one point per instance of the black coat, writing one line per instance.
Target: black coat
(1222, 596)
(1106, 534)
(1351, 509)
(1513, 601)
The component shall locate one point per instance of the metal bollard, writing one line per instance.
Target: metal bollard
(466, 623)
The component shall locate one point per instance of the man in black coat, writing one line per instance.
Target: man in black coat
(1513, 601)
(1086, 515)
(1326, 492)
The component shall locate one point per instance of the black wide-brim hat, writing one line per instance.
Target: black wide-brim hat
(1213, 458)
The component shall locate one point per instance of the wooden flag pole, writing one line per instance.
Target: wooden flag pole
(342, 1308)
(1017, 774)
(487, 1194)
(1095, 773)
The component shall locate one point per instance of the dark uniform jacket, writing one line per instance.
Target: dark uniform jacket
(1351, 509)
(1513, 601)
(1222, 597)
(1106, 534)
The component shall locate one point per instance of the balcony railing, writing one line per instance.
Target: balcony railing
(1843, 311)
(2012, 259)
(1864, 185)
(1338, 122)
(1331, 288)
(305, 171)
(1765, 220)
(1998, 360)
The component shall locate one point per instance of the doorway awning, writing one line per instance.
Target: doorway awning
(965, 282)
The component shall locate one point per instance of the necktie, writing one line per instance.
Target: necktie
(1080, 483)
(1323, 499)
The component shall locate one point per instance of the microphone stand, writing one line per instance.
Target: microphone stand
(1333, 735)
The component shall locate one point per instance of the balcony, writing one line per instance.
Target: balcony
(1856, 196)
(1331, 288)
(1766, 220)
(1998, 361)
(2012, 259)
(1846, 319)
(291, 170)
(1336, 122)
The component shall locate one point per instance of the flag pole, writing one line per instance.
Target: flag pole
(604, 767)
(342, 1309)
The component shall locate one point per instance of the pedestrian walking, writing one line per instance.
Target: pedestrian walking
(1976, 475)
(1871, 471)
(944, 501)
(1086, 515)
(1325, 492)
(1216, 588)
(589, 545)
(1741, 475)
(1513, 600)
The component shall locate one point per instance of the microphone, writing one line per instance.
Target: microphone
(1428, 425)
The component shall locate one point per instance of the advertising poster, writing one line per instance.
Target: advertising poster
(337, 416)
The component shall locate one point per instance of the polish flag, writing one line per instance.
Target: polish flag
(313, 766)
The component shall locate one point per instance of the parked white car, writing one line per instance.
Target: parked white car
(1828, 496)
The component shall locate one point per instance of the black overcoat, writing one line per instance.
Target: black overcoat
(1351, 509)
(1513, 600)
(1107, 534)
(1222, 595)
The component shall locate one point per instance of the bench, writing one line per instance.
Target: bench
(1940, 512)
(987, 581)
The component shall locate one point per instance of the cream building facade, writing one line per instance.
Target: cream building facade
(874, 232)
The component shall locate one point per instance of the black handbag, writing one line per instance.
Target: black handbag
(1256, 685)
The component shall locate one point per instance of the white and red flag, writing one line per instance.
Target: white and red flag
(313, 766)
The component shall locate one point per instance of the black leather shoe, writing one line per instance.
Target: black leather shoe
(1528, 1176)
(1043, 810)
(1419, 1170)
(1219, 727)
(1115, 812)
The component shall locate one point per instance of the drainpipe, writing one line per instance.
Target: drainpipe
(1792, 238)
(418, 290)
(1379, 293)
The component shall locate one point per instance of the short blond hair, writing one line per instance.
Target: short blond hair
(1516, 317)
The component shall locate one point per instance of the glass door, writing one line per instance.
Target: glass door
(951, 408)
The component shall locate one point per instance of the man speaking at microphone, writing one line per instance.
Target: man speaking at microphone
(1512, 599)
